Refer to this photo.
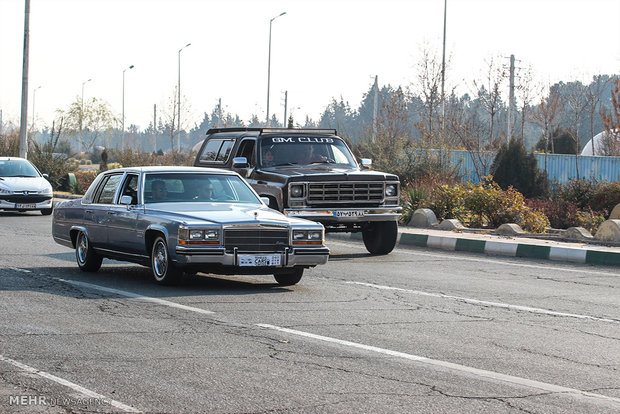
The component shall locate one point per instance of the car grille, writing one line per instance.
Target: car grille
(356, 192)
(25, 199)
(256, 240)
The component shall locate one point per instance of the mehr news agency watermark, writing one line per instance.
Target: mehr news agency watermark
(31, 400)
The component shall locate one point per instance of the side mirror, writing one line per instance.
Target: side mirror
(126, 200)
(240, 162)
(366, 162)
(45, 176)
(265, 200)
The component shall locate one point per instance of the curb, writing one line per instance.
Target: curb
(502, 248)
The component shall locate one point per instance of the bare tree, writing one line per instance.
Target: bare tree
(575, 106)
(429, 80)
(525, 94)
(488, 92)
(611, 120)
(89, 121)
(593, 96)
(169, 115)
(545, 116)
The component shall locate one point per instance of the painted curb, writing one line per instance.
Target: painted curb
(501, 248)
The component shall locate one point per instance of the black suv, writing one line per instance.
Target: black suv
(311, 173)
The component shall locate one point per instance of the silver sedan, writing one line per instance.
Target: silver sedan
(180, 220)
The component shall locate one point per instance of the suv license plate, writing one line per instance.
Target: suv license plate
(259, 260)
(349, 213)
(25, 206)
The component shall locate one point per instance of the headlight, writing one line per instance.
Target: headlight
(198, 236)
(308, 237)
(391, 190)
(297, 191)
(4, 190)
(47, 191)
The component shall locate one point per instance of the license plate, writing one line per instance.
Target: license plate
(259, 260)
(25, 206)
(349, 213)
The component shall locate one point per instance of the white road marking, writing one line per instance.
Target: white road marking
(487, 303)
(473, 259)
(481, 373)
(17, 269)
(136, 296)
(69, 384)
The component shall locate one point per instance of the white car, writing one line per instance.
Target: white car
(23, 187)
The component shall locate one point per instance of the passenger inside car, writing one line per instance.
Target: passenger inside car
(158, 190)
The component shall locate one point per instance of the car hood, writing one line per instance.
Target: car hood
(223, 213)
(34, 184)
(324, 172)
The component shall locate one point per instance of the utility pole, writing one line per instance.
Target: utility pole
(375, 108)
(23, 123)
(154, 128)
(511, 98)
(443, 67)
(285, 122)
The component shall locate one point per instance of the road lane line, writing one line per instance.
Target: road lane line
(135, 296)
(487, 303)
(462, 256)
(69, 384)
(481, 373)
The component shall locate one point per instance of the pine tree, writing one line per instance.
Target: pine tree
(514, 166)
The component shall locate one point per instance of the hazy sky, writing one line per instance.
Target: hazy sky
(320, 49)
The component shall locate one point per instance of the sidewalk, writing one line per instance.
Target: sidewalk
(494, 245)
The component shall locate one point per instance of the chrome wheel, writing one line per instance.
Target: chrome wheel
(163, 270)
(86, 258)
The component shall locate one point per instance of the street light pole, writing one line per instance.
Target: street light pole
(269, 64)
(82, 117)
(123, 110)
(34, 94)
(23, 139)
(179, 101)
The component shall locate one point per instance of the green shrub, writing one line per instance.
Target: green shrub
(590, 220)
(514, 166)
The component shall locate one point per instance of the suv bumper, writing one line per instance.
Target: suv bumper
(346, 215)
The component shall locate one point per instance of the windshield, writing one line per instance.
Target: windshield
(281, 151)
(197, 188)
(17, 168)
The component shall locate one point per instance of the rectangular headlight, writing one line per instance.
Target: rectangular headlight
(307, 237)
(196, 234)
(212, 234)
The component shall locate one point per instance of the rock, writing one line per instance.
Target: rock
(423, 218)
(577, 233)
(509, 229)
(450, 224)
(609, 231)
(615, 213)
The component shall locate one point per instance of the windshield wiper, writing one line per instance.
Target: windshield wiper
(282, 164)
(323, 162)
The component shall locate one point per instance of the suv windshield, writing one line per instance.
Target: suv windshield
(281, 151)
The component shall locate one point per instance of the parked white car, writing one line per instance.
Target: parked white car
(23, 187)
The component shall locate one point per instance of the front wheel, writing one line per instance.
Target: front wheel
(87, 259)
(163, 270)
(380, 237)
(289, 278)
(46, 211)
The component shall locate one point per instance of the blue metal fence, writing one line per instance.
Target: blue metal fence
(560, 167)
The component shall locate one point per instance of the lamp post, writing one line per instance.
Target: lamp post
(34, 94)
(82, 117)
(179, 101)
(269, 64)
(123, 109)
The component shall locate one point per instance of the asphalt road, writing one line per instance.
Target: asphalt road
(414, 331)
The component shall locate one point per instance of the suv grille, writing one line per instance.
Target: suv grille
(357, 192)
(256, 240)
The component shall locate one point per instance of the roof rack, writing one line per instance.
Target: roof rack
(275, 130)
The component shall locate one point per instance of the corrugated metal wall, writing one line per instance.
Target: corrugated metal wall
(560, 168)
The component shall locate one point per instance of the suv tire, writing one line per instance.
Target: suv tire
(380, 237)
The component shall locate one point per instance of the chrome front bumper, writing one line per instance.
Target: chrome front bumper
(346, 215)
(298, 256)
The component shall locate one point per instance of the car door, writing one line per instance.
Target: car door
(99, 215)
(123, 233)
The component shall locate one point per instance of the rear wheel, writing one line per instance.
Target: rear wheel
(163, 269)
(289, 278)
(380, 237)
(86, 258)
